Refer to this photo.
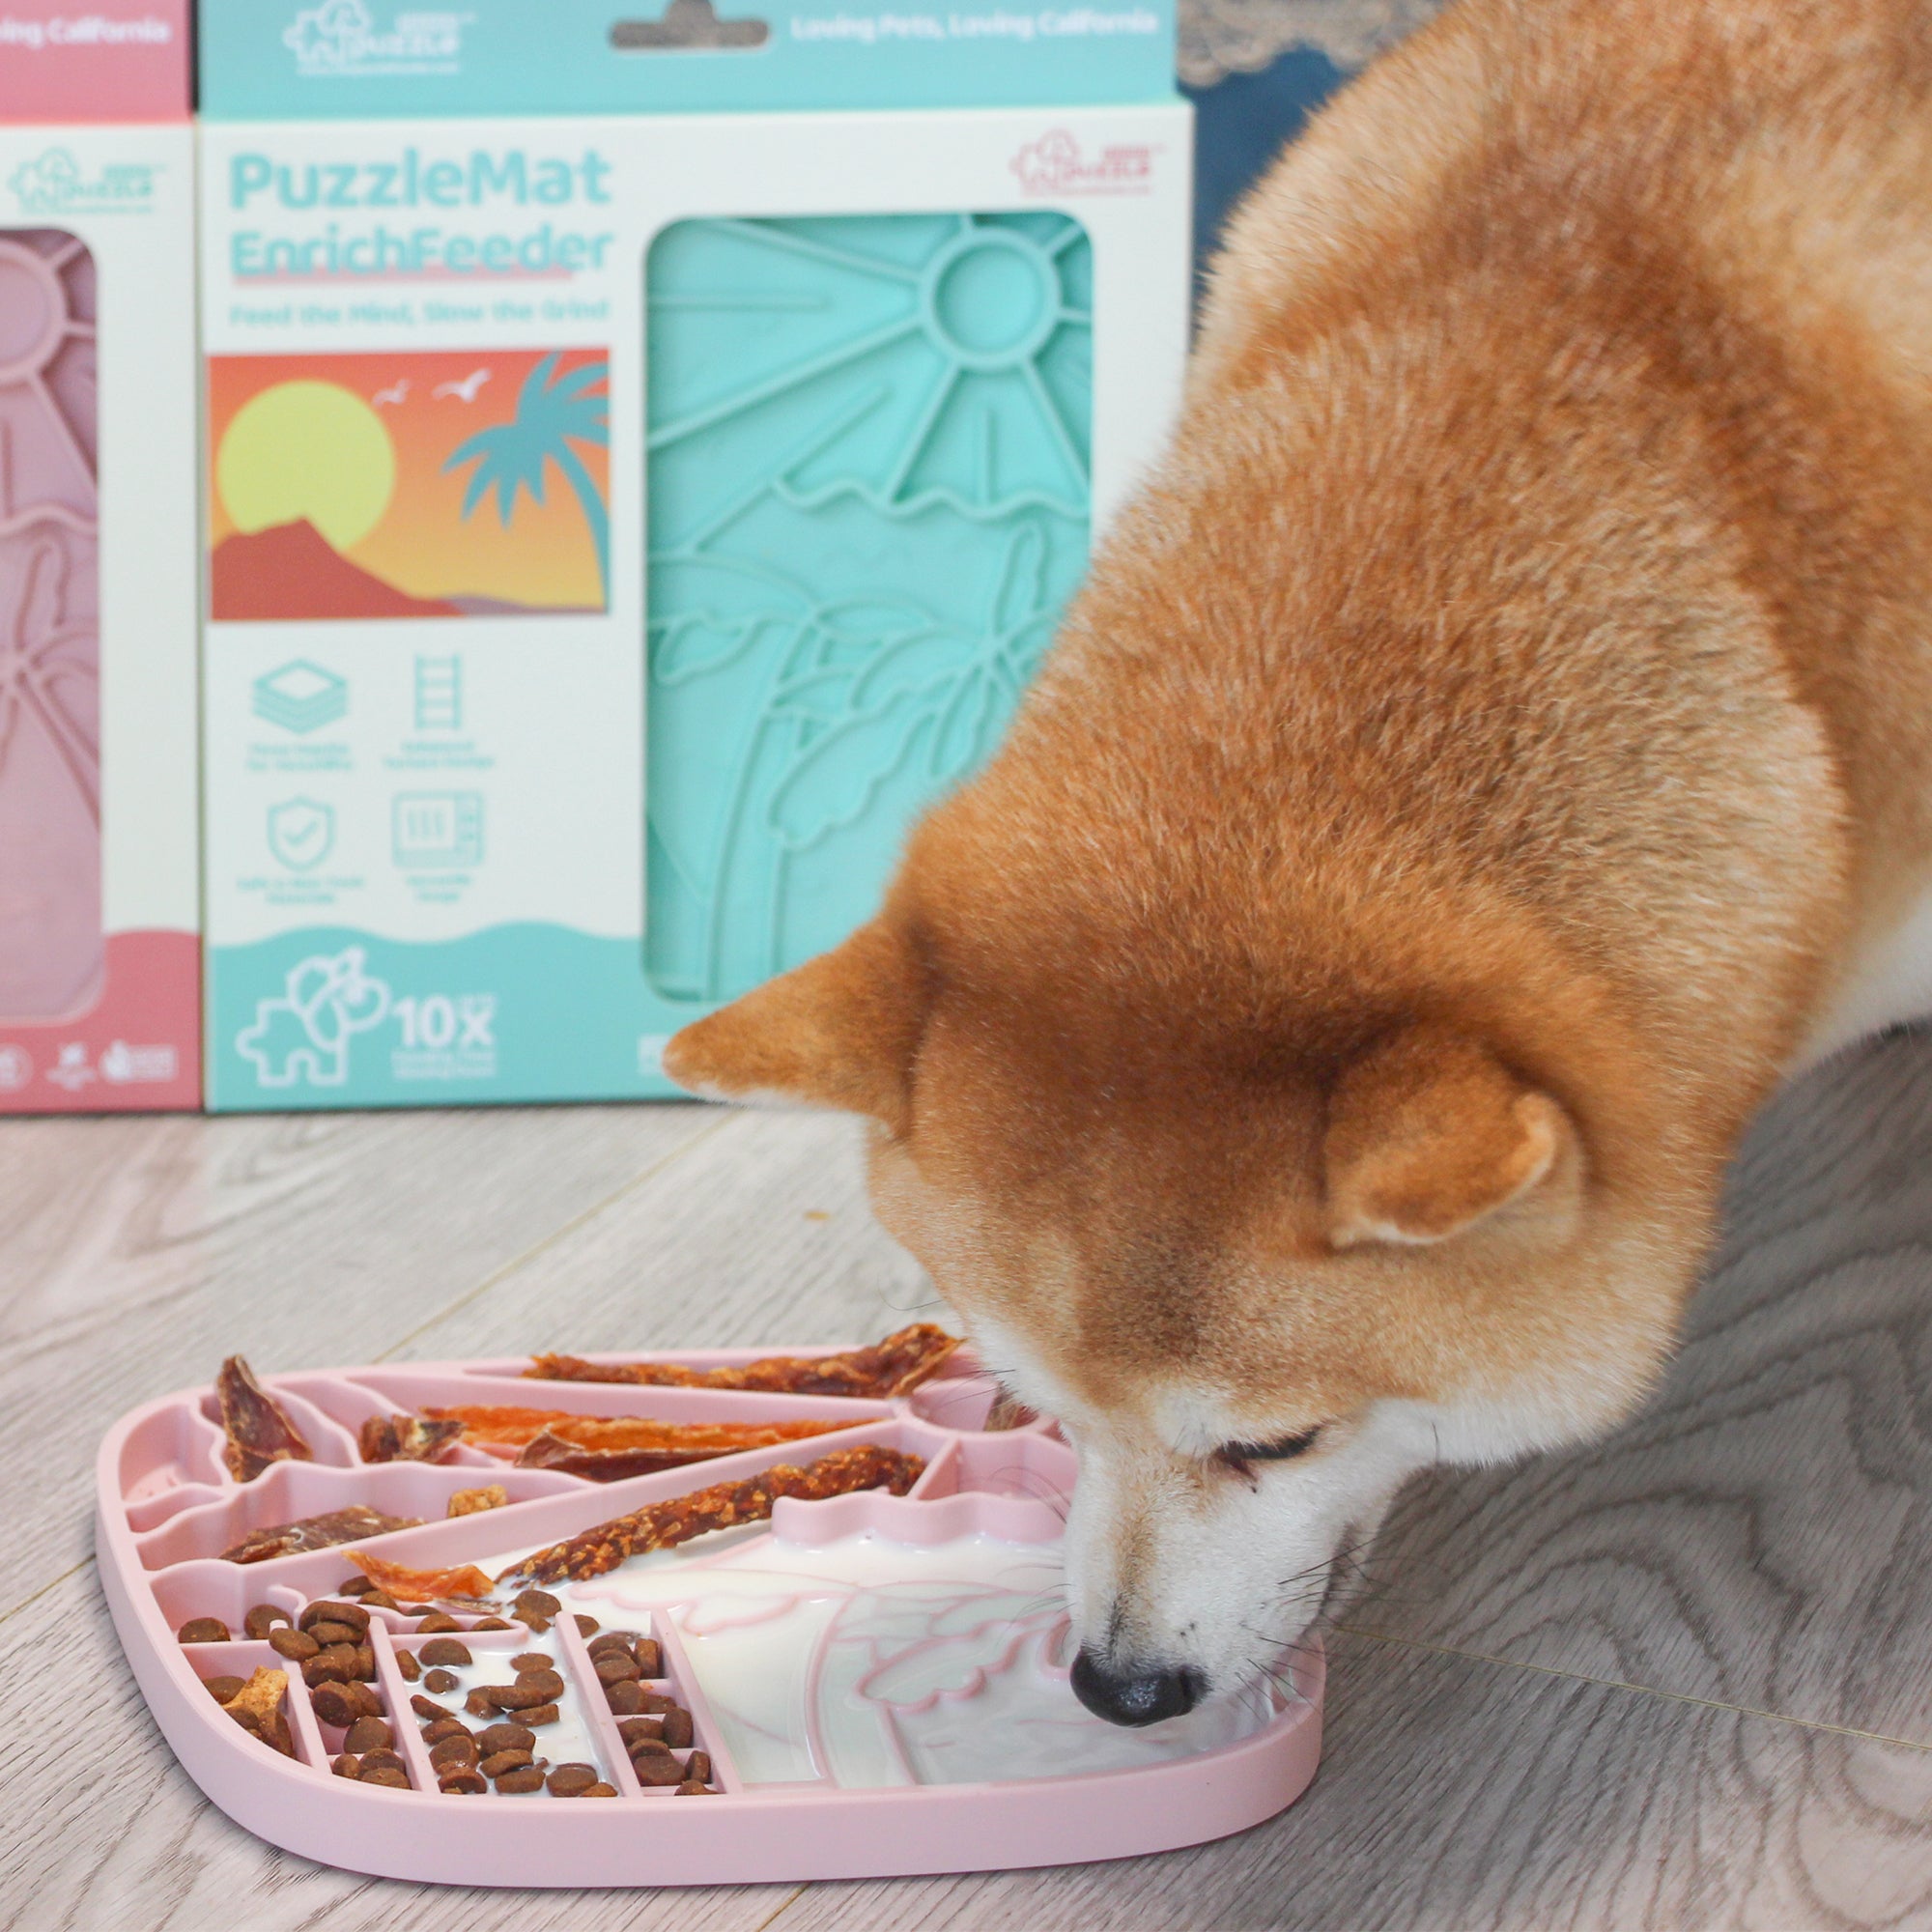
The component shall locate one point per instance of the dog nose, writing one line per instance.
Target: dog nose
(1138, 1698)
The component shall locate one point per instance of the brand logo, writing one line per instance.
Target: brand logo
(70, 1068)
(16, 1067)
(125, 1065)
(54, 182)
(1057, 164)
(341, 38)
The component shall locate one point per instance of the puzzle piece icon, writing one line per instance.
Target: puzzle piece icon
(305, 1032)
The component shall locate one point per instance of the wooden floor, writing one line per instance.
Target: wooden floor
(1684, 1680)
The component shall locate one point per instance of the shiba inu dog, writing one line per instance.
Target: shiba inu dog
(1493, 749)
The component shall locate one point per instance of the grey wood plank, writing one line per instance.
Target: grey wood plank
(1762, 1533)
(1464, 1796)
(758, 1235)
(106, 1834)
(144, 1255)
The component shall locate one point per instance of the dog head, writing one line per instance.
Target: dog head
(1265, 1237)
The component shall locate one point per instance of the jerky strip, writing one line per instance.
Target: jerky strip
(868, 1465)
(465, 1583)
(259, 1429)
(896, 1366)
(599, 1463)
(407, 1438)
(502, 1431)
(316, 1532)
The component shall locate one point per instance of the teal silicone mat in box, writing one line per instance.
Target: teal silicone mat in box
(867, 490)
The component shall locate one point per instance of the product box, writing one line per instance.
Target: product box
(619, 525)
(98, 952)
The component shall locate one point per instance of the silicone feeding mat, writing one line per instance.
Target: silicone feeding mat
(869, 498)
(865, 1685)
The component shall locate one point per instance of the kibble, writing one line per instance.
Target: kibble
(690, 1790)
(572, 1780)
(203, 1629)
(352, 1617)
(379, 1599)
(479, 1703)
(544, 1714)
(365, 1663)
(626, 1698)
(631, 1729)
(611, 1668)
(540, 1602)
(657, 1768)
(382, 1759)
(222, 1688)
(454, 1753)
(464, 1783)
(444, 1650)
(325, 1632)
(339, 1704)
(405, 1663)
(393, 1776)
(428, 1707)
(621, 1641)
(585, 1625)
(441, 1682)
(528, 1778)
(599, 1790)
(297, 1646)
(357, 1585)
(697, 1766)
(347, 1765)
(677, 1728)
(532, 1660)
(368, 1734)
(261, 1618)
(506, 1737)
(499, 1762)
(493, 1624)
(445, 1727)
(437, 1620)
(650, 1659)
(327, 1668)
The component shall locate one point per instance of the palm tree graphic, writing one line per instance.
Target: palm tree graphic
(512, 457)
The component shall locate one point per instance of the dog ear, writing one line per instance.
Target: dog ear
(839, 1031)
(1429, 1133)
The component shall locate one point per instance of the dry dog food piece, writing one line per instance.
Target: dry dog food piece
(697, 1766)
(538, 1686)
(326, 1634)
(202, 1630)
(222, 1688)
(365, 1663)
(257, 1707)
(454, 1752)
(261, 1618)
(347, 1765)
(297, 1646)
(631, 1729)
(868, 1465)
(469, 1503)
(492, 1623)
(357, 1585)
(434, 1732)
(585, 1625)
(444, 1650)
(573, 1781)
(538, 1603)
(407, 1438)
(479, 1703)
(656, 1768)
(437, 1620)
(405, 1663)
(625, 1699)
(677, 1728)
(606, 1448)
(499, 1762)
(369, 1734)
(425, 1707)
(599, 1790)
(391, 1775)
(506, 1737)
(620, 1642)
(650, 1660)
(892, 1367)
(259, 1430)
(330, 1668)
(544, 1714)
(461, 1783)
(463, 1581)
(689, 1788)
(441, 1682)
(528, 1778)
(381, 1599)
(327, 1610)
(612, 1669)
(531, 1659)
(333, 1704)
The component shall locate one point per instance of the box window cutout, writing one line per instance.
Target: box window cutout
(689, 26)
(51, 941)
(867, 487)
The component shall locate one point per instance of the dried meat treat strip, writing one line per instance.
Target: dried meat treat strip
(608, 1453)
(866, 1465)
(507, 1430)
(260, 1432)
(407, 1438)
(892, 1367)
(463, 1583)
(316, 1532)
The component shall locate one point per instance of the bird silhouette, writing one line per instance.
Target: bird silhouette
(467, 388)
(396, 393)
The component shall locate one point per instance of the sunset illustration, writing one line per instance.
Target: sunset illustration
(459, 484)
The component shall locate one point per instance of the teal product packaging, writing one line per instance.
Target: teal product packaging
(618, 528)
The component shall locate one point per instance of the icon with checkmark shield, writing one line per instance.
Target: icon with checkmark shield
(301, 833)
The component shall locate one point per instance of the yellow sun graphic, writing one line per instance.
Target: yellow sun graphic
(307, 451)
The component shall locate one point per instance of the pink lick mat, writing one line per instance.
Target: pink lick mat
(854, 1668)
(50, 934)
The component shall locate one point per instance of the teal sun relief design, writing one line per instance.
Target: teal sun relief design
(868, 504)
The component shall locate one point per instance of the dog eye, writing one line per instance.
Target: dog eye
(1284, 1449)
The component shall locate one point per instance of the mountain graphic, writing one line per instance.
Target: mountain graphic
(291, 571)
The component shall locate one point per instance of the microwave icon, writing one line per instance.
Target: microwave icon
(437, 829)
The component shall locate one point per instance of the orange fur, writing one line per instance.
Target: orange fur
(1477, 762)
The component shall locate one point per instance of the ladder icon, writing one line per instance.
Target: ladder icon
(439, 705)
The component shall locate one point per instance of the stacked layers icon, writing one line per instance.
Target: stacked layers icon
(301, 697)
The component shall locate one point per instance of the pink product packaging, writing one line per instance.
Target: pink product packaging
(865, 1685)
(98, 912)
